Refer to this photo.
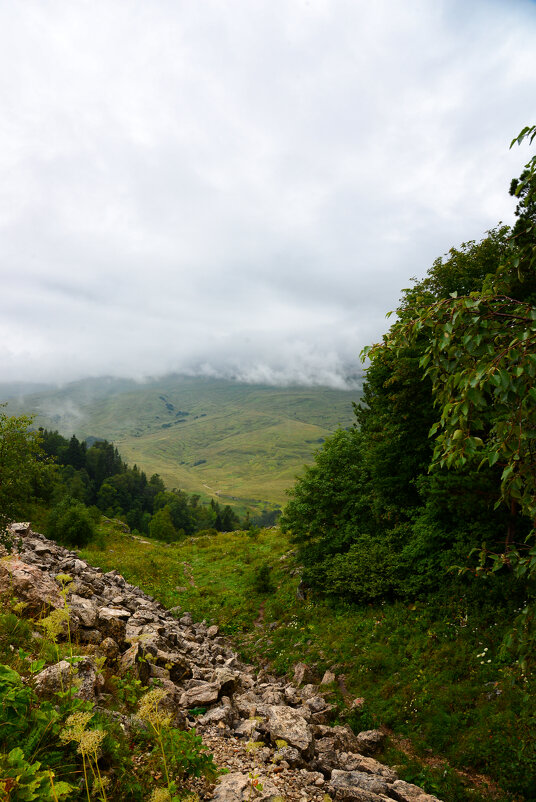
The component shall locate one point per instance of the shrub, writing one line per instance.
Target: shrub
(71, 524)
(262, 579)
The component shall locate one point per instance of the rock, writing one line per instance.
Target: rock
(247, 729)
(171, 703)
(179, 670)
(158, 672)
(316, 704)
(288, 754)
(356, 785)
(112, 622)
(238, 787)
(286, 724)
(226, 679)
(352, 762)
(135, 661)
(82, 675)
(205, 694)
(326, 754)
(30, 585)
(109, 648)
(302, 673)
(329, 678)
(216, 715)
(405, 792)
(83, 610)
(93, 636)
(107, 610)
(369, 741)
(20, 529)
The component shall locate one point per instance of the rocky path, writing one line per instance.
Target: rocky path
(273, 736)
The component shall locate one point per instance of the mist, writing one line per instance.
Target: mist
(243, 192)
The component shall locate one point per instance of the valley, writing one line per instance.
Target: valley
(242, 443)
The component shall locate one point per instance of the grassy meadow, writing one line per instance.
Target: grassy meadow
(241, 443)
(462, 716)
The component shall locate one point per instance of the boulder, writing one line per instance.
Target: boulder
(82, 675)
(30, 585)
(406, 792)
(286, 724)
(353, 762)
(83, 610)
(238, 787)
(302, 673)
(112, 622)
(368, 742)
(205, 694)
(356, 785)
(135, 661)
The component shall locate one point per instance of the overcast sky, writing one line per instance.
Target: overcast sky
(243, 187)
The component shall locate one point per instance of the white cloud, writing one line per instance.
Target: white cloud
(242, 187)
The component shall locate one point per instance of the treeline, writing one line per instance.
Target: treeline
(96, 477)
(440, 469)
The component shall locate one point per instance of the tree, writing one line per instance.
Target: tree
(70, 523)
(161, 526)
(21, 459)
(369, 520)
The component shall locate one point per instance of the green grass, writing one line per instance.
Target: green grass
(243, 443)
(418, 667)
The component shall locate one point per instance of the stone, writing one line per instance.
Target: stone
(352, 762)
(205, 694)
(22, 528)
(109, 648)
(326, 754)
(30, 585)
(135, 662)
(82, 675)
(247, 728)
(356, 785)
(406, 792)
(369, 741)
(286, 724)
(107, 610)
(83, 610)
(226, 679)
(112, 622)
(216, 715)
(171, 702)
(179, 670)
(302, 673)
(238, 787)
(316, 704)
(329, 678)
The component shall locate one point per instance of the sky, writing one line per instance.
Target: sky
(242, 188)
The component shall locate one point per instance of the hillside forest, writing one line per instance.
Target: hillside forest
(426, 503)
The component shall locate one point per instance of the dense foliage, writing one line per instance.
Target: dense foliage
(446, 431)
(96, 476)
(19, 465)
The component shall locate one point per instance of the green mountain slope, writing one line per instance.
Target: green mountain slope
(242, 442)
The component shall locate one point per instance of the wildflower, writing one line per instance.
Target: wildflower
(160, 795)
(148, 708)
(53, 624)
(88, 741)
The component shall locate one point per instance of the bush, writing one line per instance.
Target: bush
(71, 523)
(262, 579)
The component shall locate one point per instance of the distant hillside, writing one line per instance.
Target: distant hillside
(239, 441)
